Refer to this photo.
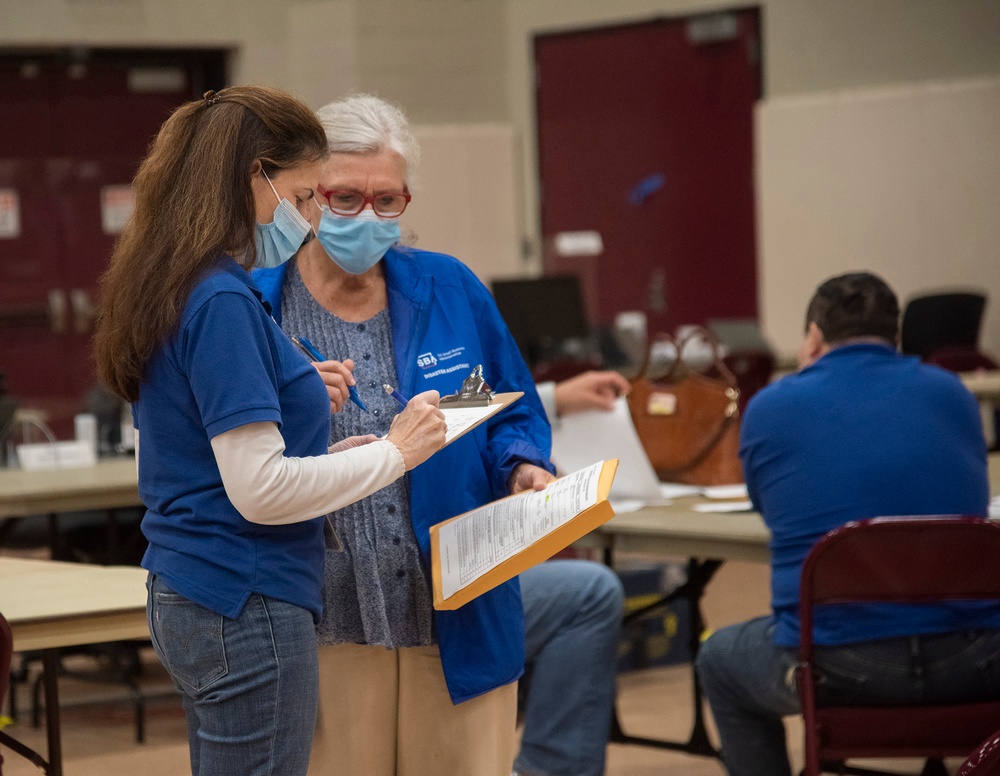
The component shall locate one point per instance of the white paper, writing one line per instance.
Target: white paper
(482, 539)
(624, 506)
(995, 507)
(724, 506)
(725, 491)
(56, 455)
(679, 490)
(461, 418)
(585, 437)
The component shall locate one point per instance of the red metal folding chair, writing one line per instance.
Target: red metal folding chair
(899, 560)
(985, 761)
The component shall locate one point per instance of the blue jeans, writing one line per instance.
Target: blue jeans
(249, 685)
(573, 614)
(750, 683)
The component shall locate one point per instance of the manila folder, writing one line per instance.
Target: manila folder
(474, 552)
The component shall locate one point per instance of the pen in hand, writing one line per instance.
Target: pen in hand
(400, 399)
(309, 349)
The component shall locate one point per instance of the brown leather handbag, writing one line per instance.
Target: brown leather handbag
(688, 422)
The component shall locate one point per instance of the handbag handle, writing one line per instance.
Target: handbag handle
(692, 334)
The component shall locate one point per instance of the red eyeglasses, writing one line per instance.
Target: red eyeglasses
(388, 204)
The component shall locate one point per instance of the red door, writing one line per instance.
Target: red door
(646, 138)
(71, 136)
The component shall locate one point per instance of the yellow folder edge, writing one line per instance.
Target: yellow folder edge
(543, 549)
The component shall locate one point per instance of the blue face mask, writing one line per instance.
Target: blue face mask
(356, 243)
(278, 241)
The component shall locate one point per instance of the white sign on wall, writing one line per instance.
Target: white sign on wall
(117, 204)
(10, 214)
(579, 243)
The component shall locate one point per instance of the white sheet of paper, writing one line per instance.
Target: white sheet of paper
(482, 539)
(585, 437)
(725, 491)
(724, 506)
(460, 418)
(624, 506)
(679, 490)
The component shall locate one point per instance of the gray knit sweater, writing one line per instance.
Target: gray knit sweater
(376, 589)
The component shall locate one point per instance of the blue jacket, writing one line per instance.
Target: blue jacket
(444, 323)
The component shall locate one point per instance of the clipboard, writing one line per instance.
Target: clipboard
(462, 417)
(532, 554)
(475, 392)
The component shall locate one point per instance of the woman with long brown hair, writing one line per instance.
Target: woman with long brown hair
(234, 424)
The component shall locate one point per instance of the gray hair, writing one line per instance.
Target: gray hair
(366, 124)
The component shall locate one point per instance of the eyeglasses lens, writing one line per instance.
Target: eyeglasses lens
(350, 203)
(389, 205)
(346, 203)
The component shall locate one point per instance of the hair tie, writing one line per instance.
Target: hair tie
(211, 97)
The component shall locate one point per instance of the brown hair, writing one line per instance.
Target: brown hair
(193, 202)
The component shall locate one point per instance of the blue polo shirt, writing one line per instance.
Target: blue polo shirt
(227, 365)
(864, 432)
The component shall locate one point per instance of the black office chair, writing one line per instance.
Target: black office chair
(943, 329)
(936, 322)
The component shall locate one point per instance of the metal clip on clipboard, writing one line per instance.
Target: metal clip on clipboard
(474, 392)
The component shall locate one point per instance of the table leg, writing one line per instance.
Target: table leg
(700, 573)
(50, 667)
(55, 540)
(113, 550)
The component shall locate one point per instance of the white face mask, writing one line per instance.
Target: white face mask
(278, 241)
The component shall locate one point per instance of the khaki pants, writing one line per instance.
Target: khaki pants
(387, 713)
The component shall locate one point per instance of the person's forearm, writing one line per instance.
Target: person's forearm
(270, 488)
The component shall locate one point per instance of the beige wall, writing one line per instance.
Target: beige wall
(465, 197)
(470, 61)
(901, 180)
(442, 59)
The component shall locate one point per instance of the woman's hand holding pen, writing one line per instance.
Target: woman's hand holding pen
(418, 431)
(338, 376)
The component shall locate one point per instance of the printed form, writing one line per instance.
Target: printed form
(461, 419)
(482, 539)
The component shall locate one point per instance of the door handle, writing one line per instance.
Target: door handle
(57, 311)
(83, 310)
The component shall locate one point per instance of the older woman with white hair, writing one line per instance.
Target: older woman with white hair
(406, 689)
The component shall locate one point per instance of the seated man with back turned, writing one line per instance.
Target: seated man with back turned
(859, 432)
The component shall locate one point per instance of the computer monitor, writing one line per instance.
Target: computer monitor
(542, 313)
